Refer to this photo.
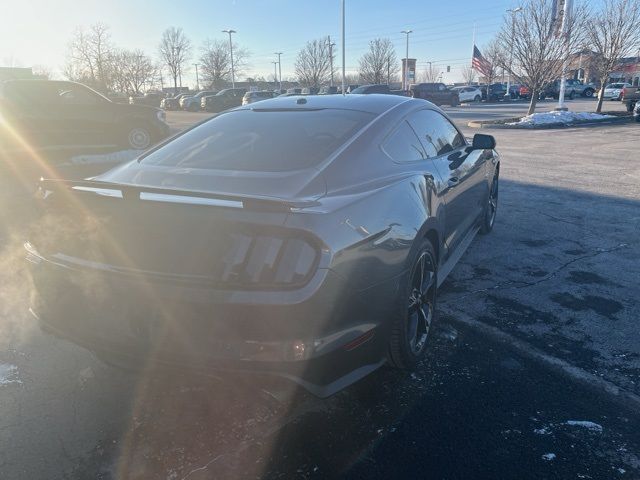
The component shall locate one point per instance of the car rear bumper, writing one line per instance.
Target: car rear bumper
(322, 336)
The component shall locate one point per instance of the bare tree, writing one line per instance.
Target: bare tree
(215, 62)
(613, 34)
(495, 54)
(429, 74)
(133, 70)
(42, 71)
(313, 64)
(90, 56)
(538, 49)
(468, 75)
(175, 49)
(376, 64)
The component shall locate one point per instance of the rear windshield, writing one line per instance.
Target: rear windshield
(266, 141)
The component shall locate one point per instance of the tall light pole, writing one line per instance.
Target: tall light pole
(275, 74)
(197, 80)
(233, 74)
(513, 12)
(330, 45)
(566, 32)
(344, 71)
(406, 61)
(279, 69)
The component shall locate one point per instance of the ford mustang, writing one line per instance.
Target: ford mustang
(299, 236)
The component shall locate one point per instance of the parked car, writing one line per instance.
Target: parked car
(296, 91)
(630, 96)
(310, 91)
(573, 88)
(468, 94)
(437, 93)
(50, 114)
(328, 91)
(524, 92)
(152, 99)
(636, 112)
(173, 103)
(497, 92)
(613, 91)
(350, 88)
(369, 89)
(252, 97)
(223, 100)
(255, 241)
(192, 102)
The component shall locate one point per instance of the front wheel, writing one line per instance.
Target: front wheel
(491, 208)
(416, 309)
(588, 93)
(571, 95)
(477, 99)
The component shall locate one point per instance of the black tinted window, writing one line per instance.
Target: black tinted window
(437, 134)
(403, 145)
(266, 141)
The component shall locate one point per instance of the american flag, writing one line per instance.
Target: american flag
(480, 63)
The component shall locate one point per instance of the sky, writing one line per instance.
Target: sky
(40, 30)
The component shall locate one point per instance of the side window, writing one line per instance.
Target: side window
(437, 134)
(403, 145)
(76, 95)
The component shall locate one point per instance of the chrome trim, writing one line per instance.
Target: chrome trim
(105, 192)
(164, 197)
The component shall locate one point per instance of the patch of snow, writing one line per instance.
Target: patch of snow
(8, 374)
(542, 431)
(594, 427)
(622, 471)
(549, 456)
(546, 118)
(113, 157)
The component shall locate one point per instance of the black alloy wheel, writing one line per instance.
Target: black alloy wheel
(491, 208)
(417, 310)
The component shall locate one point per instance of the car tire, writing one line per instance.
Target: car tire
(491, 207)
(477, 99)
(572, 95)
(415, 309)
(588, 93)
(455, 103)
(138, 137)
(631, 106)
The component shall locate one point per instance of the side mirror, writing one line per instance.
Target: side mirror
(483, 142)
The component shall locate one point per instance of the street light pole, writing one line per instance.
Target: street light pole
(406, 61)
(233, 75)
(566, 32)
(331, 45)
(344, 71)
(275, 74)
(513, 12)
(279, 69)
(197, 80)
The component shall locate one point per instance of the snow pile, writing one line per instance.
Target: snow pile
(8, 374)
(113, 157)
(594, 427)
(549, 456)
(546, 118)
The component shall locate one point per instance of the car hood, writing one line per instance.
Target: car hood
(137, 108)
(301, 184)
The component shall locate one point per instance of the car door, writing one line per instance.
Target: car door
(89, 118)
(462, 170)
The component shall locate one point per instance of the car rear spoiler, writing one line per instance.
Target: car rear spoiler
(173, 195)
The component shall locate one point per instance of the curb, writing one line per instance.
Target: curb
(593, 382)
(548, 126)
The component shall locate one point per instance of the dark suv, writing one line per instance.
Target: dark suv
(53, 114)
(437, 93)
(368, 89)
(223, 100)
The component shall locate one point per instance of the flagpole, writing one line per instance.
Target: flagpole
(473, 45)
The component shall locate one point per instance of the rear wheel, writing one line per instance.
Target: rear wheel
(491, 208)
(588, 93)
(416, 309)
(477, 99)
(571, 95)
(138, 138)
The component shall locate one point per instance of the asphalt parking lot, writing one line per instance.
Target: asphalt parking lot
(534, 370)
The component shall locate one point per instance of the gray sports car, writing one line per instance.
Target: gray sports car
(299, 236)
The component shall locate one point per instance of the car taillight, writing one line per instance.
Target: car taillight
(268, 261)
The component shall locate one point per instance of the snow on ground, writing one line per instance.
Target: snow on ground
(113, 157)
(8, 374)
(545, 118)
(549, 456)
(594, 427)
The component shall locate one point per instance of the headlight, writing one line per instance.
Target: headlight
(162, 116)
